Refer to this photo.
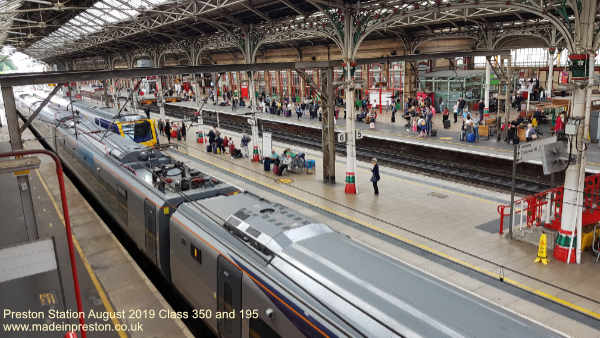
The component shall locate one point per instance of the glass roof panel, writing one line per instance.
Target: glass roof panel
(118, 14)
(102, 15)
(132, 12)
(91, 19)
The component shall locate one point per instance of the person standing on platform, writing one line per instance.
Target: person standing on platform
(461, 106)
(429, 119)
(183, 131)
(147, 111)
(375, 175)
(244, 144)
(168, 130)
(212, 136)
(160, 127)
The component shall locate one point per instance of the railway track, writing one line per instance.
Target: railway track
(476, 170)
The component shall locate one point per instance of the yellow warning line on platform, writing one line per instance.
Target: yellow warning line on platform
(411, 242)
(86, 264)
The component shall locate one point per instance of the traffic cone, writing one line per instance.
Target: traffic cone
(350, 183)
(255, 156)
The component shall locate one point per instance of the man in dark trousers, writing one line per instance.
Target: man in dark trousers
(375, 175)
(147, 111)
(168, 130)
(212, 135)
(183, 131)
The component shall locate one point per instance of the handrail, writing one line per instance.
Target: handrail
(63, 197)
(545, 208)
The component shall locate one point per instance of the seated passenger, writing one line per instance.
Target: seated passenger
(530, 134)
(370, 117)
(274, 157)
(286, 160)
(361, 116)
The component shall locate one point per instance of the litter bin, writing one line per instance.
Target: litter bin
(594, 126)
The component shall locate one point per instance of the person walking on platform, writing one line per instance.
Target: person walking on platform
(160, 127)
(244, 144)
(168, 130)
(375, 175)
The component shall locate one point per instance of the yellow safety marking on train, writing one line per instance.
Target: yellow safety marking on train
(86, 264)
(416, 244)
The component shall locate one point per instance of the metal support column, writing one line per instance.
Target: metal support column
(328, 128)
(200, 108)
(486, 94)
(10, 109)
(253, 109)
(348, 54)
(105, 87)
(573, 198)
(550, 79)
(134, 92)
(160, 99)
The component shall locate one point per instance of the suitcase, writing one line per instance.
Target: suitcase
(276, 169)
(471, 137)
(446, 124)
(209, 148)
(267, 164)
(433, 132)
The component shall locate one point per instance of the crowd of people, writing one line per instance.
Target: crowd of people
(171, 129)
(531, 124)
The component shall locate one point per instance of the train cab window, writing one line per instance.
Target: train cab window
(260, 329)
(196, 253)
(138, 131)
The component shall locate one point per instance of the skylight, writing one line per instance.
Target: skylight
(103, 14)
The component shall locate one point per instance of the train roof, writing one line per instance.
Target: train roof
(366, 289)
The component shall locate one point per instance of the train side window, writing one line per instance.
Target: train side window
(196, 253)
(260, 329)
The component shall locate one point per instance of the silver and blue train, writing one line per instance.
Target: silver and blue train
(253, 268)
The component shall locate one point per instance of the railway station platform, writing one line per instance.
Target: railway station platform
(110, 281)
(385, 129)
(447, 229)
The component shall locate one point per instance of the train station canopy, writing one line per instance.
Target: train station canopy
(68, 29)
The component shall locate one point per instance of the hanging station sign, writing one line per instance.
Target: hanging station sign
(579, 66)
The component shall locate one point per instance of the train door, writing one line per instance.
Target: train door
(150, 225)
(229, 290)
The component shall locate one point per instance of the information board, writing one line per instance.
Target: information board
(532, 150)
(266, 144)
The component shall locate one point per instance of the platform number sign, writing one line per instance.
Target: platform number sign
(341, 137)
(359, 134)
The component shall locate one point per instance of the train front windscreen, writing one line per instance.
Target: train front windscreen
(140, 131)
